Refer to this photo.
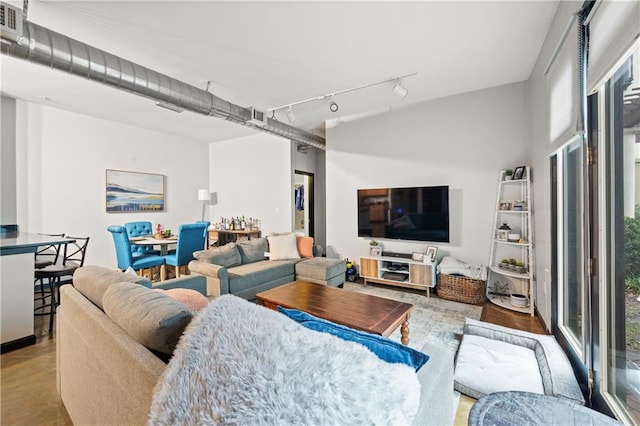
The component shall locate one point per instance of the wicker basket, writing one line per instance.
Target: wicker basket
(461, 289)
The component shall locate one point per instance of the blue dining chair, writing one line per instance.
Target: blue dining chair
(191, 237)
(206, 232)
(140, 229)
(125, 257)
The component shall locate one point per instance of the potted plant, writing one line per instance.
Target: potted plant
(504, 263)
(508, 174)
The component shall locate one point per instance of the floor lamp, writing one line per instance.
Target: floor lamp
(205, 196)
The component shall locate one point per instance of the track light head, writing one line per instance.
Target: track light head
(290, 115)
(399, 89)
(333, 107)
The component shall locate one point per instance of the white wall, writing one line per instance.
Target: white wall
(8, 215)
(252, 176)
(540, 150)
(61, 163)
(461, 141)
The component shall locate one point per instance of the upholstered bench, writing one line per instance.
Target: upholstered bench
(322, 270)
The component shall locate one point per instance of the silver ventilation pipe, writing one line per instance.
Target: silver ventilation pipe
(46, 47)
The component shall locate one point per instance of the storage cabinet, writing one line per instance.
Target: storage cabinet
(398, 271)
(511, 281)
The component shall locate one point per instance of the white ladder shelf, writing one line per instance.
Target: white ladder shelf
(513, 207)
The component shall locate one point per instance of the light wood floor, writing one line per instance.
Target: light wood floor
(28, 394)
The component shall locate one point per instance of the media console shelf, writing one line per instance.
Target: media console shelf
(399, 272)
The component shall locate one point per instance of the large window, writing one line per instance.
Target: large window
(571, 274)
(620, 121)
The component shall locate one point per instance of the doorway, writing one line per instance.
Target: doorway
(303, 205)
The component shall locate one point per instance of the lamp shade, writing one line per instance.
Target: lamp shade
(204, 195)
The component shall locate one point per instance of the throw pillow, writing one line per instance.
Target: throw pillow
(385, 349)
(252, 250)
(152, 319)
(194, 300)
(305, 246)
(283, 247)
(228, 255)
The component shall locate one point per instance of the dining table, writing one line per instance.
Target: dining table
(150, 240)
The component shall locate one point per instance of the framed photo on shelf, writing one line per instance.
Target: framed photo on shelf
(431, 253)
(375, 251)
(417, 256)
(519, 173)
(504, 205)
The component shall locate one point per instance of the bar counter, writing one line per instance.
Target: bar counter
(17, 256)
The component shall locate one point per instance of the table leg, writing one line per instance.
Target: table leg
(404, 331)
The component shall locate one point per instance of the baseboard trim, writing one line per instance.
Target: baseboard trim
(18, 343)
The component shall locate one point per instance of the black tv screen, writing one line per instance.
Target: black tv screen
(417, 213)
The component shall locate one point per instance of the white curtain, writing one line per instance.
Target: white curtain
(613, 28)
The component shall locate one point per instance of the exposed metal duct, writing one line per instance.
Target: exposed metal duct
(46, 47)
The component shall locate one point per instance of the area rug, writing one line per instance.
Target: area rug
(432, 319)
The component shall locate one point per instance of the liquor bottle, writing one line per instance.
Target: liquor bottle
(243, 223)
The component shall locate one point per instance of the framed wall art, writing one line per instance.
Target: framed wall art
(130, 192)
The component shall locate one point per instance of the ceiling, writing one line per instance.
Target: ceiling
(266, 54)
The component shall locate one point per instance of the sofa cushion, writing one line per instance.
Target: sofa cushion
(385, 349)
(93, 281)
(320, 268)
(192, 299)
(257, 273)
(252, 250)
(228, 255)
(153, 319)
(305, 246)
(283, 247)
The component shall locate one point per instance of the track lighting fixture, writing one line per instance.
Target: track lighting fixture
(290, 115)
(399, 89)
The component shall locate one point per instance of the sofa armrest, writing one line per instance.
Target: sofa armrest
(192, 282)
(216, 275)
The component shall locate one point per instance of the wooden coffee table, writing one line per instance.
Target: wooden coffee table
(364, 312)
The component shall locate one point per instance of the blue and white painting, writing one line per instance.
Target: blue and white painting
(132, 192)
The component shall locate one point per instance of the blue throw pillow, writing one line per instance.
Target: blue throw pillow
(385, 349)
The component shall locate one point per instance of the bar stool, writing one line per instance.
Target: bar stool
(53, 276)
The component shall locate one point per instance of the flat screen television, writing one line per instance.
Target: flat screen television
(416, 213)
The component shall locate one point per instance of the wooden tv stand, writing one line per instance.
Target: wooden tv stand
(399, 272)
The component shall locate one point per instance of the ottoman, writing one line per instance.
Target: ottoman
(322, 270)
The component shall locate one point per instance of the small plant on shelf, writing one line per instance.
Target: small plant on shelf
(373, 243)
(508, 174)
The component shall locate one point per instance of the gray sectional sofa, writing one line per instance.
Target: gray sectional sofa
(243, 270)
(107, 372)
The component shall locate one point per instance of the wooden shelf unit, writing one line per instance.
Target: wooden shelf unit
(419, 275)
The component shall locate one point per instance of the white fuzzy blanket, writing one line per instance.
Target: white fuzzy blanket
(240, 363)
